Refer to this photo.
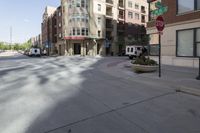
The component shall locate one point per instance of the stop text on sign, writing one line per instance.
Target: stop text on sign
(160, 23)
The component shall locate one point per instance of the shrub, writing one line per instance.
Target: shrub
(144, 61)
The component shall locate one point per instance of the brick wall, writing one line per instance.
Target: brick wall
(172, 17)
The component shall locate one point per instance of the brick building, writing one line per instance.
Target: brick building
(180, 42)
(49, 30)
(94, 27)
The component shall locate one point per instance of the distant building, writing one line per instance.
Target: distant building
(37, 41)
(180, 42)
(49, 29)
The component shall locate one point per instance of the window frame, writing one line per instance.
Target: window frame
(130, 13)
(130, 4)
(99, 7)
(195, 42)
(138, 15)
(195, 8)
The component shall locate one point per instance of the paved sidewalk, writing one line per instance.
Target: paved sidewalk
(178, 78)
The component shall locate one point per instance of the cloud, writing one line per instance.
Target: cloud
(26, 20)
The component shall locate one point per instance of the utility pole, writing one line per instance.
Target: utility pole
(10, 37)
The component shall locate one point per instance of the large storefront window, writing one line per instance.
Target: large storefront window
(185, 43)
(188, 43)
(187, 5)
(198, 4)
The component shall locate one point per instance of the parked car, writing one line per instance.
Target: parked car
(34, 52)
(133, 51)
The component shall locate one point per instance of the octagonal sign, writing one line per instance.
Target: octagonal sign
(160, 25)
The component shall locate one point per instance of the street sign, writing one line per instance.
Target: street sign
(160, 25)
(160, 9)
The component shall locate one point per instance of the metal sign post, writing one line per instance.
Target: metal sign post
(198, 77)
(160, 25)
(159, 55)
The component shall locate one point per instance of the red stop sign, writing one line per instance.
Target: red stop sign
(160, 25)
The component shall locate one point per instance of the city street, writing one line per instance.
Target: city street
(93, 95)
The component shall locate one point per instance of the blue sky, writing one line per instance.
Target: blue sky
(24, 16)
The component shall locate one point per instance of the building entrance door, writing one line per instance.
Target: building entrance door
(77, 48)
(59, 50)
(98, 48)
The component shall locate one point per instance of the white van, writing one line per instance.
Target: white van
(35, 52)
(133, 51)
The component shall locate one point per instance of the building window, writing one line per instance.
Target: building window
(143, 19)
(87, 32)
(187, 5)
(87, 20)
(78, 32)
(136, 6)
(74, 32)
(130, 4)
(99, 20)
(78, 19)
(78, 4)
(185, 43)
(59, 25)
(188, 43)
(198, 4)
(130, 15)
(59, 14)
(82, 3)
(83, 19)
(99, 33)
(99, 7)
(83, 31)
(137, 16)
(60, 35)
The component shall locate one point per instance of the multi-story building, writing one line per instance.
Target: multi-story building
(49, 29)
(37, 41)
(59, 31)
(180, 42)
(92, 27)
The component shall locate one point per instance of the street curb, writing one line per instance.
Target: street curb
(188, 90)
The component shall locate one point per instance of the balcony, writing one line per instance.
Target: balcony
(109, 12)
(121, 16)
(143, 9)
(143, 20)
(109, 2)
(121, 4)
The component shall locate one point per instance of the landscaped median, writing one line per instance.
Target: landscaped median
(143, 64)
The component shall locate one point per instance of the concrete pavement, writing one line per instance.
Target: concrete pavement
(91, 95)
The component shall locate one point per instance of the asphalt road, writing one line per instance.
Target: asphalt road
(89, 95)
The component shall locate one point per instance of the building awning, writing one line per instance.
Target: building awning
(74, 38)
(82, 38)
